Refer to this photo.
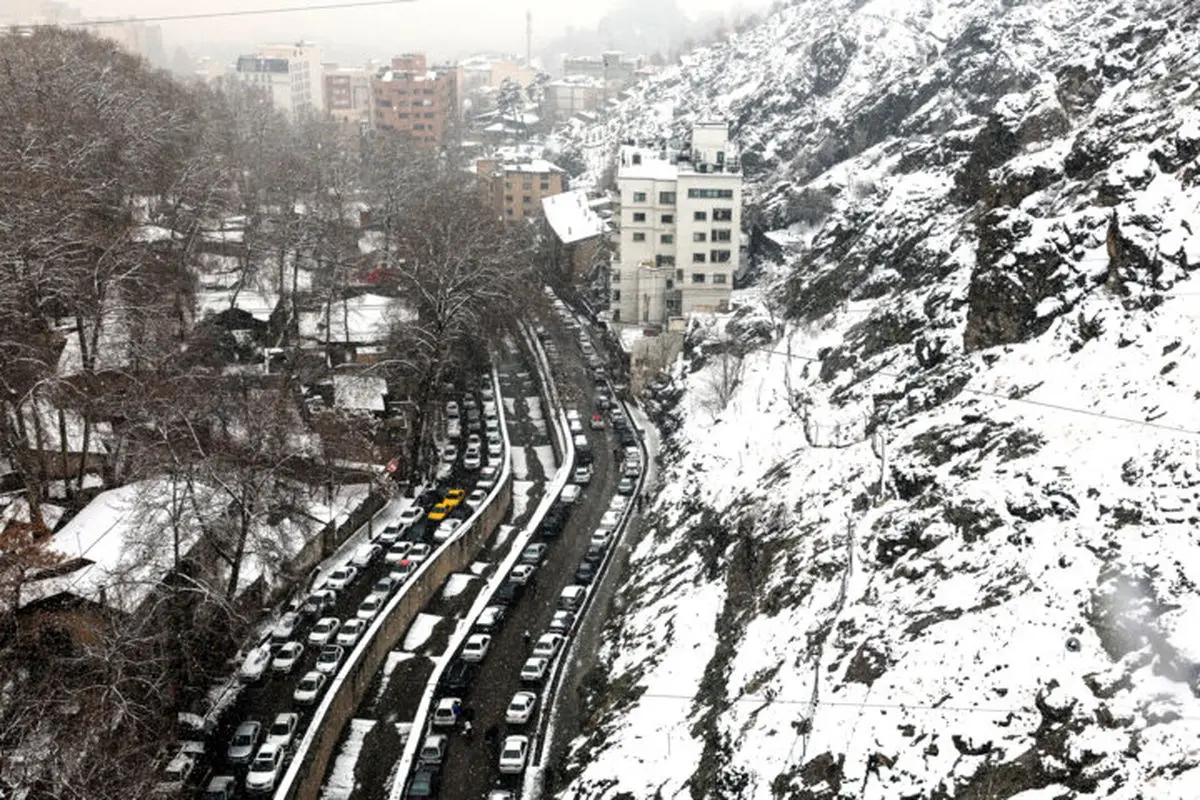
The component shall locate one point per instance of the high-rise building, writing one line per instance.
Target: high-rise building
(290, 74)
(416, 101)
(681, 216)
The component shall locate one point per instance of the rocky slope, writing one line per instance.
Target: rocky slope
(981, 243)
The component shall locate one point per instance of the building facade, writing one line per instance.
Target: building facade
(291, 74)
(681, 216)
(563, 99)
(517, 187)
(411, 99)
(348, 95)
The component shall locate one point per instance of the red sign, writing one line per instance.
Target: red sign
(393, 465)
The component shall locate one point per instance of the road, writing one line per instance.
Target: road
(363, 768)
(273, 694)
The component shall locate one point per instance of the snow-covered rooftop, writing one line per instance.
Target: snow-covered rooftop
(365, 318)
(641, 163)
(359, 391)
(571, 216)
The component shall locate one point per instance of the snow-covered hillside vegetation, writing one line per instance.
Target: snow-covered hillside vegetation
(980, 252)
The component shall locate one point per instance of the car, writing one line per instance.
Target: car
(425, 782)
(451, 409)
(487, 477)
(533, 554)
(561, 622)
(288, 656)
(474, 440)
(513, 755)
(309, 688)
(283, 729)
(626, 486)
(548, 645)
(403, 571)
(264, 769)
(449, 454)
(489, 408)
(325, 629)
(178, 772)
(520, 708)
(433, 749)
(329, 659)
(351, 630)
(534, 669)
(476, 498)
(255, 664)
(473, 458)
(419, 553)
(397, 552)
(571, 597)
(602, 400)
(388, 536)
(610, 520)
(600, 538)
(342, 577)
(509, 592)
(570, 493)
(244, 740)
(385, 586)
(454, 497)
(488, 392)
(585, 572)
(447, 711)
(631, 469)
(453, 428)
(285, 628)
(446, 530)
(489, 619)
(458, 675)
(573, 415)
(318, 604)
(594, 553)
(521, 574)
(500, 794)
(476, 647)
(469, 402)
(582, 475)
(491, 425)
(369, 608)
(627, 437)
(220, 787)
(474, 420)
(410, 515)
(619, 502)
(365, 554)
(575, 426)
(439, 512)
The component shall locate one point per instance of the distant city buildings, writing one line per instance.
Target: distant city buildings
(518, 184)
(348, 94)
(134, 37)
(567, 97)
(412, 99)
(611, 67)
(490, 72)
(680, 230)
(290, 74)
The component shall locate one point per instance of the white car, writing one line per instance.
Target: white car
(626, 486)
(256, 663)
(570, 493)
(491, 425)
(572, 415)
(419, 553)
(610, 520)
(402, 571)
(325, 629)
(489, 408)
(490, 618)
(561, 622)
(309, 688)
(520, 708)
(487, 478)
(265, 769)
(397, 552)
(330, 659)
(547, 646)
(369, 608)
(446, 529)
(513, 755)
(286, 659)
(385, 586)
(453, 429)
(410, 515)
(341, 577)
(283, 730)
(474, 441)
(285, 627)
(582, 475)
(472, 459)
(351, 630)
(534, 669)
(521, 573)
(476, 498)
(451, 409)
(619, 502)
(444, 715)
(449, 454)
(476, 647)
(364, 555)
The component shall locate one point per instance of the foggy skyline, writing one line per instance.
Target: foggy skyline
(444, 29)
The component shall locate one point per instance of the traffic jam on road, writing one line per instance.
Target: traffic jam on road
(285, 677)
(487, 709)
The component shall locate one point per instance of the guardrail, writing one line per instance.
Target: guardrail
(567, 459)
(542, 740)
(306, 773)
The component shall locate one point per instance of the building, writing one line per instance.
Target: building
(612, 66)
(579, 232)
(681, 217)
(567, 97)
(290, 74)
(347, 93)
(489, 72)
(411, 99)
(518, 185)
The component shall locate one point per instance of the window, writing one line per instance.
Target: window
(723, 235)
(720, 156)
(679, 275)
(616, 295)
(711, 194)
(719, 277)
(638, 236)
(616, 276)
(526, 199)
(700, 216)
(527, 185)
(667, 238)
(722, 215)
(639, 216)
(545, 186)
(664, 261)
(508, 198)
(698, 258)
(508, 211)
(720, 256)
(699, 236)
(697, 277)
(508, 184)
(668, 219)
(666, 198)
(639, 197)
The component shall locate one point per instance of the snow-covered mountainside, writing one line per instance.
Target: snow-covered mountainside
(982, 216)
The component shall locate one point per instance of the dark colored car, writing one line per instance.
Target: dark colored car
(425, 782)
(555, 520)
(458, 676)
(594, 554)
(508, 593)
(585, 573)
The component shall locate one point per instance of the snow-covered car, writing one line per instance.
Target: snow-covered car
(385, 586)
(446, 529)
(388, 536)
(410, 515)
(474, 441)
(446, 713)
(495, 446)
(433, 749)
(255, 664)
(547, 645)
(329, 659)
(403, 571)
(450, 453)
(364, 555)
(561, 622)
(489, 409)
(397, 552)
(487, 390)
(476, 647)
(265, 769)
(575, 426)
(220, 787)
(626, 486)
(597, 423)
(309, 688)
(521, 574)
(318, 604)
(618, 503)
(325, 629)
(472, 458)
(451, 409)
(491, 425)
(476, 498)
(631, 470)
(342, 577)
(453, 428)
(520, 708)
(487, 477)
(573, 415)
(288, 656)
(582, 475)
(244, 740)
(285, 628)
(369, 608)
(178, 772)
(610, 520)
(283, 729)
(513, 755)
(534, 669)
(570, 493)
(351, 630)
(489, 619)
(419, 553)
(600, 538)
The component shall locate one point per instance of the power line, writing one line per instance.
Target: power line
(239, 13)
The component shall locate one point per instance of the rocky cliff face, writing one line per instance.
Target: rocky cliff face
(977, 220)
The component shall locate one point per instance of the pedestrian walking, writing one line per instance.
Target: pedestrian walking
(467, 729)
(526, 637)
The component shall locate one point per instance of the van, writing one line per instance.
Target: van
(571, 597)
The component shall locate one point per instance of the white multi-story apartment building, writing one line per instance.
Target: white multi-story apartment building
(681, 217)
(291, 73)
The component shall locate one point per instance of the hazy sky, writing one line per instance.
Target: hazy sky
(442, 28)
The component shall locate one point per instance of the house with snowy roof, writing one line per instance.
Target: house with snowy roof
(579, 230)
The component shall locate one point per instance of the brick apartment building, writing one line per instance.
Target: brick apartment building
(517, 187)
(411, 99)
(348, 94)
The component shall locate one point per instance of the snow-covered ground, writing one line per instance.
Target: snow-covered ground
(456, 584)
(420, 631)
(340, 784)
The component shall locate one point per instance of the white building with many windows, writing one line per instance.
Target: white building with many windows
(291, 74)
(681, 216)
